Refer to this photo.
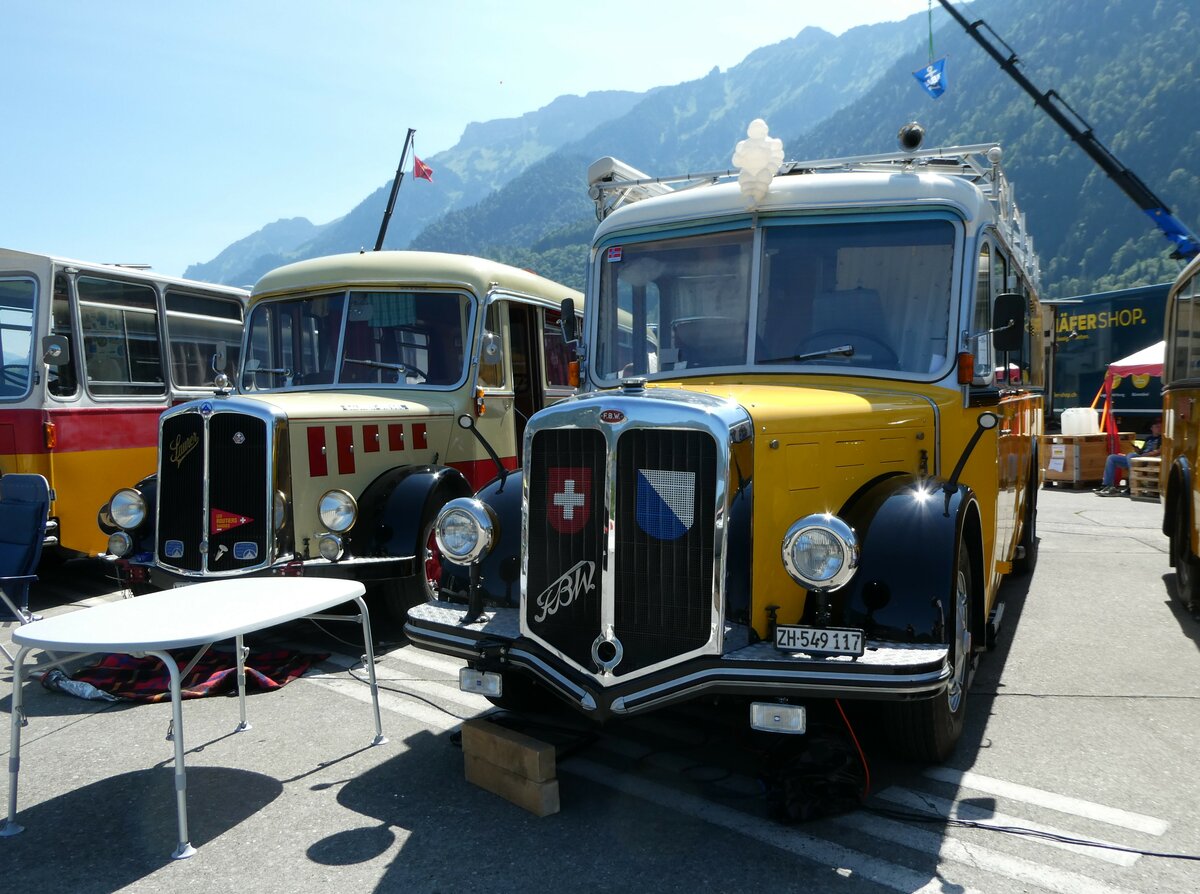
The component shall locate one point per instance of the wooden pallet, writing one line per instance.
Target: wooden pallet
(1143, 477)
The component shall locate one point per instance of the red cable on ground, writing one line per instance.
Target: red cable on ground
(862, 757)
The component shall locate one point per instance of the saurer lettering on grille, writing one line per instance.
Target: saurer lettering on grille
(576, 583)
(181, 447)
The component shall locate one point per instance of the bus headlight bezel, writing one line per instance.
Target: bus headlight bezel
(820, 552)
(127, 508)
(337, 510)
(466, 530)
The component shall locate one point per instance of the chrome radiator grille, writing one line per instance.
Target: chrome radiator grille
(214, 510)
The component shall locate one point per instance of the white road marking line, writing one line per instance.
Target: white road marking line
(432, 688)
(1062, 803)
(427, 660)
(981, 858)
(394, 703)
(929, 803)
(787, 838)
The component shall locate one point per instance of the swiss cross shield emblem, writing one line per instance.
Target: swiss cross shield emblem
(569, 499)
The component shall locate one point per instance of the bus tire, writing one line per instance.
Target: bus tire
(1187, 569)
(927, 730)
(393, 598)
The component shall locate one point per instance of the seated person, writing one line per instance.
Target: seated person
(1120, 462)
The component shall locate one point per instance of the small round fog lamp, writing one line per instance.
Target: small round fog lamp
(119, 544)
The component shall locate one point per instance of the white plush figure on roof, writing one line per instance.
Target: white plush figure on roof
(758, 157)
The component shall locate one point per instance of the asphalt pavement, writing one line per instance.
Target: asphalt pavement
(1084, 724)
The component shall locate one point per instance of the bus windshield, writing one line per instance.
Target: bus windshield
(866, 294)
(359, 338)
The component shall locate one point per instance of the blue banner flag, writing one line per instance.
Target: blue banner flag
(933, 77)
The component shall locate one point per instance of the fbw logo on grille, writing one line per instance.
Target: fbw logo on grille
(666, 502)
(569, 499)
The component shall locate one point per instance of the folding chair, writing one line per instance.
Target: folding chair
(24, 505)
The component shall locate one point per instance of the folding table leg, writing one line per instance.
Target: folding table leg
(365, 619)
(11, 827)
(185, 848)
(242, 652)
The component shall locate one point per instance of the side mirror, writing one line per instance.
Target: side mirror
(218, 361)
(1008, 322)
(492, 351)
(56, 350)
(567, 321)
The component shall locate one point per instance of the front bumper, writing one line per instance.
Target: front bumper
(887, 671)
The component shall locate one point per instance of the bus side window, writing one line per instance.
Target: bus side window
(492, 372)
(62, 381)
(981, 320)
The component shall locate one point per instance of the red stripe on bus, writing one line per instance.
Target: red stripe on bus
(345, 448)
(317, 464)
(371, 438)
(396, 437)
(419, 441)
(479, 472)
(80, 429)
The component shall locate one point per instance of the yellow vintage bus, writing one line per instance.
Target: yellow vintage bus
(1180, 487)
(374, 388)
(92, 354)
(798, 476)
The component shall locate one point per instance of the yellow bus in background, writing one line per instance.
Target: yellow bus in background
(1181, 432)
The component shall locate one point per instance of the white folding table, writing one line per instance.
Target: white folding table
(196, 615)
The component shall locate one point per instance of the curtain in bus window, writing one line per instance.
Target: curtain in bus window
(120, 337)
(16, 335)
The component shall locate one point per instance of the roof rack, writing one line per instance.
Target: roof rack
(612, 183)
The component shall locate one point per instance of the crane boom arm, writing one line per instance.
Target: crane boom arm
(1185, 241)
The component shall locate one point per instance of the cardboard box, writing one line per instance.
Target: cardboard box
(1079, 459)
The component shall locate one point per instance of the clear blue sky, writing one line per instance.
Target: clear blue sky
(160, 131)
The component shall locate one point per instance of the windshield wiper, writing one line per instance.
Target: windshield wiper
(839, 351)
(379, 364)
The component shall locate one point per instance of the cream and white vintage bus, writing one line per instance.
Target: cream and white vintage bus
(92, 355)
(374, 387)
(793, 473)
(1180, 484)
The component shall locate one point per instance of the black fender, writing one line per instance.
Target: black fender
(909, 531)
(500, 569)
(143, 535)
(1179, 481)
(395, 510)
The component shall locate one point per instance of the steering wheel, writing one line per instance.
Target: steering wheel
(885, 358)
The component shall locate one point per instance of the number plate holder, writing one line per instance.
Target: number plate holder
(820, 640)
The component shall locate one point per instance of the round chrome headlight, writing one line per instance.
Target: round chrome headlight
(330, 547)
(337, 510)
(820, 552)
(119, 544)
(127, 509)
(466, 530)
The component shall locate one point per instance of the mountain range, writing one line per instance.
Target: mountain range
(515, 190)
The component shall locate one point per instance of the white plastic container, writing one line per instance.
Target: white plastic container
(1080, 421)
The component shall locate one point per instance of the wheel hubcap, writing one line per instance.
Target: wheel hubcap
(962, 643)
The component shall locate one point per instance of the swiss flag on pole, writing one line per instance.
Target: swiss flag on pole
(422, 170)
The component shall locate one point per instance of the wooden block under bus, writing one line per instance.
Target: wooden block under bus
(539, 798)
(521, 754)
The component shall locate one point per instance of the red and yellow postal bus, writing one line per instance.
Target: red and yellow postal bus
(92, 355)
(792, 474)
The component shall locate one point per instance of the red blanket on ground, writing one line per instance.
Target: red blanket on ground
(146, 679)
